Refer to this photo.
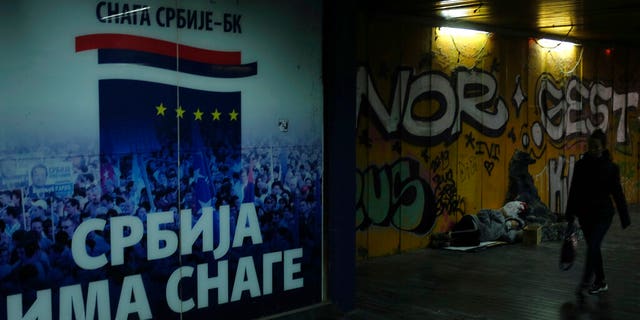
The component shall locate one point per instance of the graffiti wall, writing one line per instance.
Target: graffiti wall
(161, 160)
(440, 115)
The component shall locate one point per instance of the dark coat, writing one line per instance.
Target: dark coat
(595, 181)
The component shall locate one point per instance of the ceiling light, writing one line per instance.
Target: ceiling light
(454, 13)
(555, 44)
(461, 32)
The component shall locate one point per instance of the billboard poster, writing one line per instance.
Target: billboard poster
(160, 161)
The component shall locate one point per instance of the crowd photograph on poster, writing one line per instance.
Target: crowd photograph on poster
(149, 175)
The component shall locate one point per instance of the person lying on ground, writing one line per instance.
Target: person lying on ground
(503, 224)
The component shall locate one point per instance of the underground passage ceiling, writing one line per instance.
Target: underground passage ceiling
(609, 22)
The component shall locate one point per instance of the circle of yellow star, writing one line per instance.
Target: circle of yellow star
(233, 115)
(160, 109)
(180, 112)
(198, 114)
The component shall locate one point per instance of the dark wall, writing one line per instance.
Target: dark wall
(339, 203)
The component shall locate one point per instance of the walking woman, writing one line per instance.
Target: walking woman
(596, 180)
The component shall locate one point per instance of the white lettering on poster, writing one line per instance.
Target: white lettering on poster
(127, 231)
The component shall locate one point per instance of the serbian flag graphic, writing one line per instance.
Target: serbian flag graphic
(181, 137)
(122, 48)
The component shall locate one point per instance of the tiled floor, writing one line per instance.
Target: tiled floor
(508, 282)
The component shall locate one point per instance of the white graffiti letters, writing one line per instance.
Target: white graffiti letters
(559, 183)
(473, 100)
(477, 98)
(580, 109)
(438, 88)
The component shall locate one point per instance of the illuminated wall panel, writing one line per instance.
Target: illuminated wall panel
(453, 109)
